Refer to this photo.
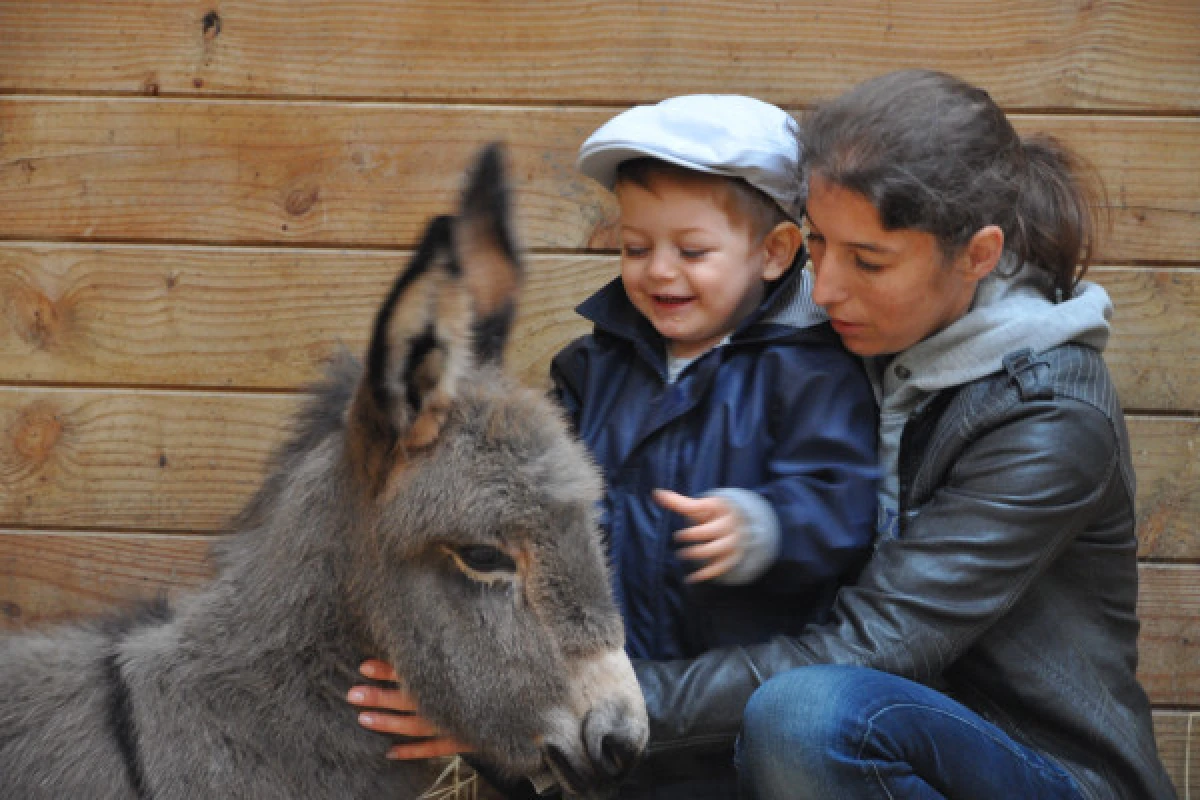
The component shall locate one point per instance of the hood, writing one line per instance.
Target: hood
(1010, 312)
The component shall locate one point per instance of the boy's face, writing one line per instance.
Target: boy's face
(689, 268)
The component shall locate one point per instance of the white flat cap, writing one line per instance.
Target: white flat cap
(721, 134)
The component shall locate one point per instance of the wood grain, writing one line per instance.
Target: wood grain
(208, 317)
(133, 460)
(1169, 644)
(187, 461)
(48, 577)
(359, 175)
(1028, 53)
(233, 317)
(1178, 735)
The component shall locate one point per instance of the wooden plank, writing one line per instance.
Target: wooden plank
(371, 175)
(51, 576)
(1166, 458)
(48, 577)
(233, 317)
(267, 318)
(1169, 644)
(1029, 54)
(187, 461)
(1178, 735)
(1152, 352)
(133, 460)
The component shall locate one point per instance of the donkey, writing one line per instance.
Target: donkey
(427, 511)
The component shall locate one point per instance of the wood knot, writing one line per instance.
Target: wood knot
(37, 319)
(299, 201)
(212, 26)
(35, 432)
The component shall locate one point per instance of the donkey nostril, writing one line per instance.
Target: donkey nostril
(618, 755)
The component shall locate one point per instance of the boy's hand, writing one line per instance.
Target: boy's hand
(407, 720)
(718, 537)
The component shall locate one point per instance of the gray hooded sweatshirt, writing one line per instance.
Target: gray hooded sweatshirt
(1010, 312)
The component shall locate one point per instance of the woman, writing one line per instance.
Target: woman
(988, 648)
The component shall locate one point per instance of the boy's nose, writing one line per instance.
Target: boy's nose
(661, 265)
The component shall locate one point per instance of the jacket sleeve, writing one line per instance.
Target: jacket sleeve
(821, 468)
(568, 375)
(1012, 501)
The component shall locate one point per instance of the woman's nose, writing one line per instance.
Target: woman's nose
(828, 286)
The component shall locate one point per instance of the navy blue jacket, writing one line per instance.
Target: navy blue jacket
(780, 410)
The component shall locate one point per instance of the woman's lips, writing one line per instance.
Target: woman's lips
(843, 327)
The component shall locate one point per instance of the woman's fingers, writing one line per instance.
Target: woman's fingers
(387, 699)
(400, 724)
(430, 748)
(378, 670)
(394, 711)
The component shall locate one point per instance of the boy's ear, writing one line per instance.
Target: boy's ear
(780, 246)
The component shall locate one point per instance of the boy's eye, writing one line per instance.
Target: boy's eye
(633, 251)
(692, 252)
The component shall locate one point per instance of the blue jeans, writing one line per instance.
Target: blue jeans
(829, 732)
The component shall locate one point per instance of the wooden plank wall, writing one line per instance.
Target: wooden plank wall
(199, 198)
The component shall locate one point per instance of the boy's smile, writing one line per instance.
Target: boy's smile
(690, 268)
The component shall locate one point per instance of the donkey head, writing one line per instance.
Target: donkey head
(480, 572)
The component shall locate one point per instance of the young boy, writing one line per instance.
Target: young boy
(736, 436)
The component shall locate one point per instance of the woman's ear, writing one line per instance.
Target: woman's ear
(982, 253)
(780, 246)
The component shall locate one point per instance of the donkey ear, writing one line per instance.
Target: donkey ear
(453, 303)
(488, 255)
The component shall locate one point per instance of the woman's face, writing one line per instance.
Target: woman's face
(884, 290)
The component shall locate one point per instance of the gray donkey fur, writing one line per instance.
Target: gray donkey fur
(427, 511)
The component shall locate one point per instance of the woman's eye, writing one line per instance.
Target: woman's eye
(867, 266)
(482, 558)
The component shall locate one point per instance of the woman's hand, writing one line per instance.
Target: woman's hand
(393, 710)
(717, 538)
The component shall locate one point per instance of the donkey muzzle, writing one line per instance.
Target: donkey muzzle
(593, 745)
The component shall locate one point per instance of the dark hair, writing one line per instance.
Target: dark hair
(935, 154)
(753, 206)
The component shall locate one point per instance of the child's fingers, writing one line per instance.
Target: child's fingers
(697, 509)
(707, 531)
(713, 570)
(717, 549)
(429, 748)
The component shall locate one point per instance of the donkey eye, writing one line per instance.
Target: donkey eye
(486, 559)
(483, 563)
